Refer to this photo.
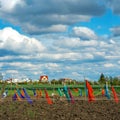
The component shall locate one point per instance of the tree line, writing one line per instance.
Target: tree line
(111, 80)
(101, 81)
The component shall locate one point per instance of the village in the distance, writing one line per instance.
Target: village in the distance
(45, 80)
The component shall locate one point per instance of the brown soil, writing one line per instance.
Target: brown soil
(60, 110)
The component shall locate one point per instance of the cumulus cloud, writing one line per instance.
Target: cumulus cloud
(108, 65)
(115, 31)
(84, 33)
(55, 28)
(67, 56)
(12, 71)
(75, 43)
(33, 29)
(74, 53)
(114, 4)
(11, 40)
(9, 5)
(47, 16)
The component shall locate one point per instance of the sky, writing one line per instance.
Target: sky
(74, 39)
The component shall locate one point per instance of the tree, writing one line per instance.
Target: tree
(102, 79)
(115, 81)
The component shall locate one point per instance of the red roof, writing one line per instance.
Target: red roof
(43, 76)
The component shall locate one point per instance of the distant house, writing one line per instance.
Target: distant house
(9, 80)
(43, 78)
(65, 80)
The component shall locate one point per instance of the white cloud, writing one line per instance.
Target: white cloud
(55, 28)
(75, 74)
(84, 32)
(16, 42)
(26, 66)
(37, 73)
(74, 54)
(112, 57)
(9, 5)
(65, 56)
(108, 65)
(12, 72)
(74, 42)
(52, 66)
(40, 15)
(114, 5)
(6, 58)
(112, 41)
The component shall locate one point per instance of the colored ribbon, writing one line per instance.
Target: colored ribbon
(49, 101)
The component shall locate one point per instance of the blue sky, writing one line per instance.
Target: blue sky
(62, 39)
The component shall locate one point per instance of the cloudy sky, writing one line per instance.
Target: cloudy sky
(59, 38)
